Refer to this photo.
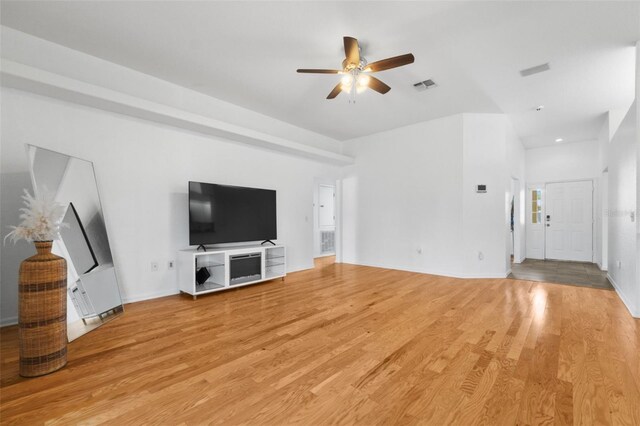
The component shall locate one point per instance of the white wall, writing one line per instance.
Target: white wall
(637, 215)
(14, 177)
(623, 163)
(412, 189)
(486, 245)
(404, 194)
(564, 161)
(142, 170)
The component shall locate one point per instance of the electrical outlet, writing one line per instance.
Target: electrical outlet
(419, 250)
(171, 264)
(480, 256)
(619, 263)
(154, 266)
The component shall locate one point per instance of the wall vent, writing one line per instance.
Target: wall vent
(327, 241)
(424, 85)
(535, 70)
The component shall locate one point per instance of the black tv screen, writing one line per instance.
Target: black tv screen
(225, 214)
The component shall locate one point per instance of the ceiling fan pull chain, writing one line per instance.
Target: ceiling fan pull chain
(354, 83)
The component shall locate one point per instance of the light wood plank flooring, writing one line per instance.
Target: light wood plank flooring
(347, 344)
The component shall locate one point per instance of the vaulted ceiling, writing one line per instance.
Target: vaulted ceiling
(247, 53)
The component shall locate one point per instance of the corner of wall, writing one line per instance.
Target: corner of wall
(486, 242)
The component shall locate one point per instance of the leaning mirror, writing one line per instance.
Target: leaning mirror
(93, 296)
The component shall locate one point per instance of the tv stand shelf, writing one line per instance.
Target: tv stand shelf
(230, 267)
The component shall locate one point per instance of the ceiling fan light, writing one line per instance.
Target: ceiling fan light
(347, 80)
(363, 80)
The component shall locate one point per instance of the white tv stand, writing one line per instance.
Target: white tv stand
(223, 264)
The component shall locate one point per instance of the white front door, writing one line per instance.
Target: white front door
(535, 221)
(569, 221)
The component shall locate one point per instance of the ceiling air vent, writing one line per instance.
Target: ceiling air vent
(424, 85)
(535, 70)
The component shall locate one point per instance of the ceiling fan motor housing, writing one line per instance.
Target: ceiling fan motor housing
(347, 66)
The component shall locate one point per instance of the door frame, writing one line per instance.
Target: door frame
(528, 211)
(337, 209)
(519, 213)
(603, 213)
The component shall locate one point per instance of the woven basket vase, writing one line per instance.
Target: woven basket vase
(43, 312)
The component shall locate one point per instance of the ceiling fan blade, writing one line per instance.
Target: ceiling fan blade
(314, 71)
(336, 91)
(385, 64)
(378, 85)
(351, 51)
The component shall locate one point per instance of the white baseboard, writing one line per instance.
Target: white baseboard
(324, 255)
(8, 321)
(149, 295)
(300, 268)
(623, 298)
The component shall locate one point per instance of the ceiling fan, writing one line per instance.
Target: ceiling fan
(357, 72)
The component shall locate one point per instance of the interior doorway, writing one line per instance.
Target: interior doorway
(604, 225)
(516, 222)
(325, 220)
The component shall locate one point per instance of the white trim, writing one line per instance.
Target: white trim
(4, 322)
(149, 295)
(40, 82)
(325, 255)
(623, 298)
(527, 225)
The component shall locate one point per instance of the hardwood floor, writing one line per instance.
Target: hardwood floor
(347, 344)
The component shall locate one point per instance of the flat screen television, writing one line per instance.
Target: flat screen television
(226, 214)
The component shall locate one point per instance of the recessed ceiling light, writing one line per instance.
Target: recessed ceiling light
(559, 140)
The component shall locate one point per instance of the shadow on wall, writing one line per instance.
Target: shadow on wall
(11, 191)
(179, 219)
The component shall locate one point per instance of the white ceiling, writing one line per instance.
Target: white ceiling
(246, 53)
